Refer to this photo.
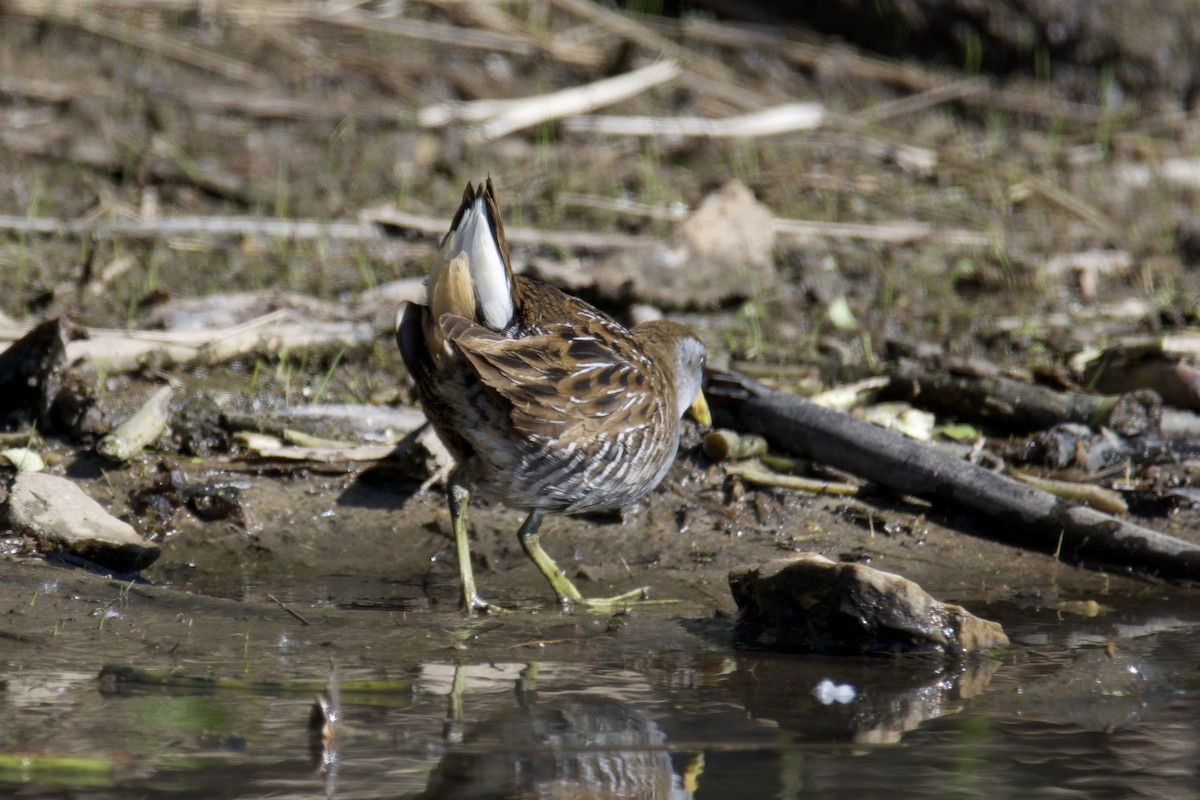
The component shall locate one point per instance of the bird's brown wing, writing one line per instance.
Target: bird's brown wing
(563, 382)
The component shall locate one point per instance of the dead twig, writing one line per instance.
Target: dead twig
(802, 232)
(288, 609)
(1061, 197)
(567, 240)
(934, 96)
(165, 227)
(1098, 497)
(768, 122)
(438, 33)
(501, 117)
(763, 477)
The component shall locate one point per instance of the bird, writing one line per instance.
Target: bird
(548, 404)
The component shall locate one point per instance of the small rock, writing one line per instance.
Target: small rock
(217, 501)
(724, 250)
(61, 516)
(810, 604)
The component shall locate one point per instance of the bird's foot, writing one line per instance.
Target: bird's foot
(630, 599)
(474, 604)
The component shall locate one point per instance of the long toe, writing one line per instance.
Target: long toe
(630, 599)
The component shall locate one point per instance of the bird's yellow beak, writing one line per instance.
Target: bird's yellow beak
(699, 410)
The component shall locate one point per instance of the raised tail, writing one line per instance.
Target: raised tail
(471, 276)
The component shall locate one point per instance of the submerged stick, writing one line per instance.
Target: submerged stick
(1018, 513)
(114, 675)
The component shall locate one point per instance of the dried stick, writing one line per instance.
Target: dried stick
(449, 35)
(501, 117)
(768, 122)
(367, 230)
(934, 96)
(794, 232)
(801, 232)
(192, 226)
(1013, 511)
(569, 240)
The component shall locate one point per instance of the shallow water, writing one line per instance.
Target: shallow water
(650, 705)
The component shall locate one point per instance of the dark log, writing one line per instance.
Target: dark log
(1012, 511)
(31, 372)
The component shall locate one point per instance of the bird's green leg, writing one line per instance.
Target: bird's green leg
(452, 731)
(563, 588)
(458, 494)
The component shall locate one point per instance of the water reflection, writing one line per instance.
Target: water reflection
(634, 721)
(564, 746)
(890, 696)
(608, 743)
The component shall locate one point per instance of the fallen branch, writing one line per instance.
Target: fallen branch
(1011, 510)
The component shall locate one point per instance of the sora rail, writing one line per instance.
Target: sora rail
(546, 403)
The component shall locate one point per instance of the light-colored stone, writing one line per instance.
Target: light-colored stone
(61, 516)
(810, 604)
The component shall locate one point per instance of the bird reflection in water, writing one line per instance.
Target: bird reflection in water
(580, 746)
